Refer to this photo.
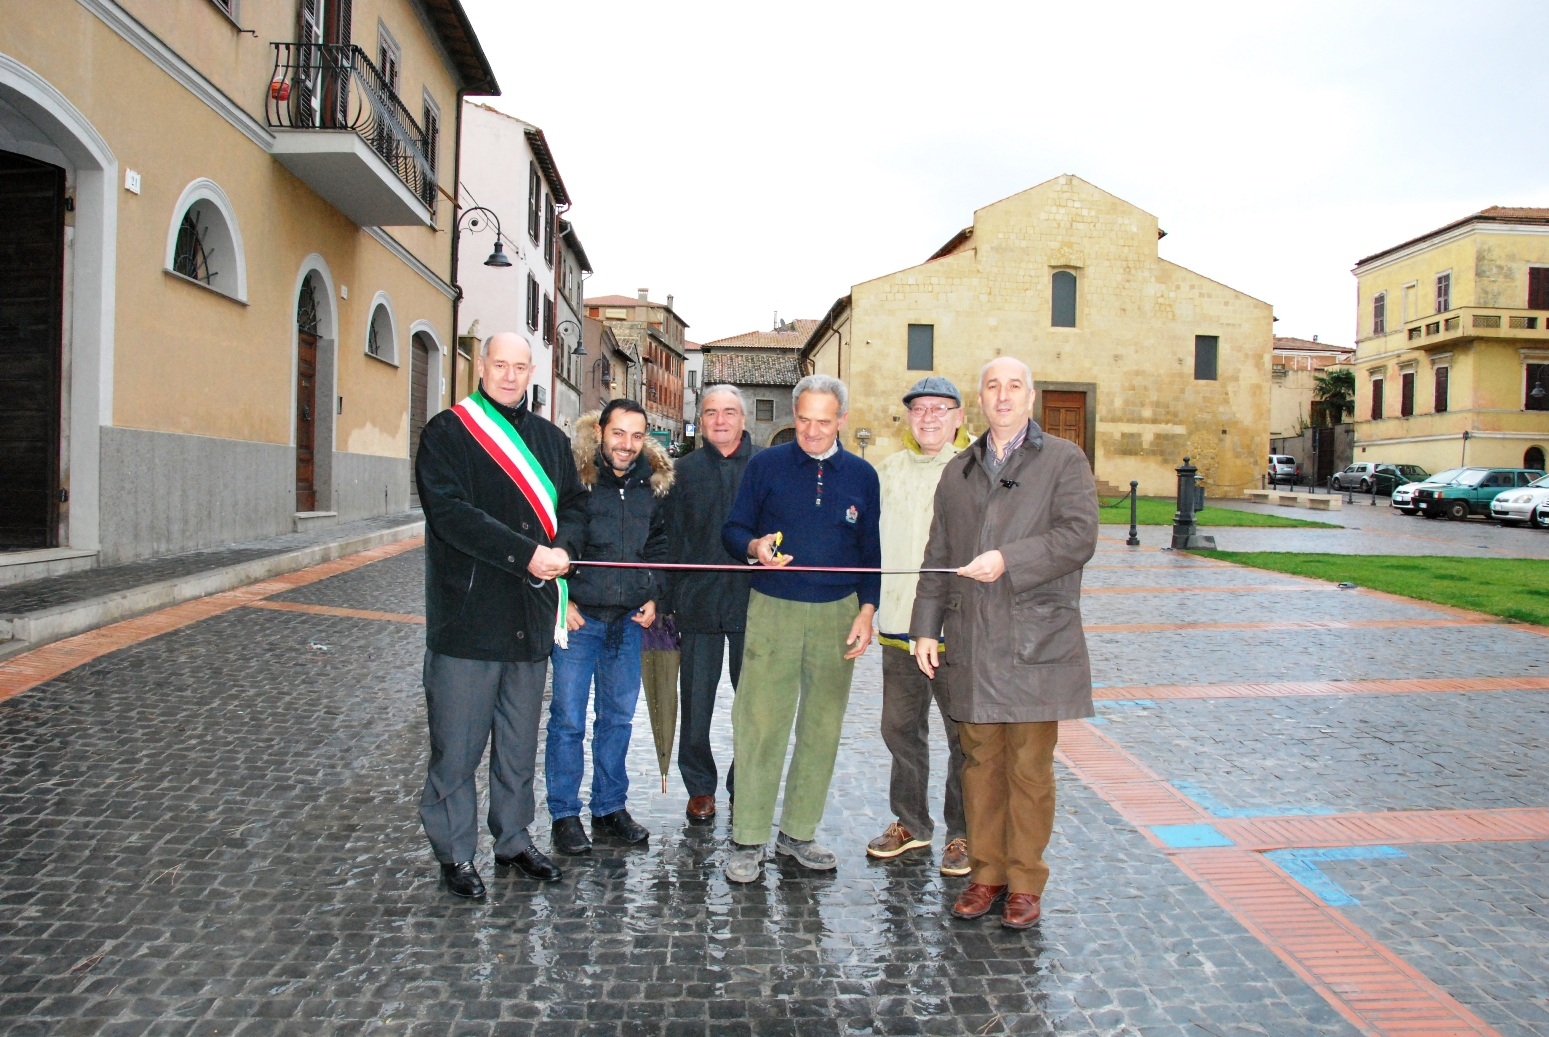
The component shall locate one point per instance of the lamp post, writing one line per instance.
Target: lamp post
(476, 217)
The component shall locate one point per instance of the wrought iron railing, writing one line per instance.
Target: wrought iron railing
(326, 86)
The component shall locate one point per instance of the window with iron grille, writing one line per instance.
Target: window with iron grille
(532, 303)
(548, 318)
(1444, 292)
(1206, 353)
(763, 410)
(1538, 288)
(1376, 399)
(1063, 310)
(1380, 313)
(1537, 381)
(1440, 404)
(548, 230)
(534, 200)
(1406, 394)
(922, 347)
(189, 257)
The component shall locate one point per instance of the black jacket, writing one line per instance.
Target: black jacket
(706, 602)
(625, 523)
(480, 533)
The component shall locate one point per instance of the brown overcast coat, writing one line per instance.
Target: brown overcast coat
(1016, 651)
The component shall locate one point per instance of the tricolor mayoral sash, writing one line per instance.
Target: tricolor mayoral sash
(505, 446)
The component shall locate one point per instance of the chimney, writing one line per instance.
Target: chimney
(641, 293)
(669, 300)
(1315, 338)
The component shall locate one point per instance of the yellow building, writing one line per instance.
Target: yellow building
(1138, 360)
(227, 227)
(1452, 345)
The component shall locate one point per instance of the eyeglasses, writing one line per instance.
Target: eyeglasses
(938, 410)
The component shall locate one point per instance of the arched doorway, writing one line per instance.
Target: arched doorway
(1534, 458)
(307, 325)
(32, 242)
(785, 435)
(420, 350)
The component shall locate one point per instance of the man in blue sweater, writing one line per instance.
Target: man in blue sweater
(814, 503)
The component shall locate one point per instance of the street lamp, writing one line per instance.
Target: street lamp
(575, 329)
(863, 437)
(476, 218)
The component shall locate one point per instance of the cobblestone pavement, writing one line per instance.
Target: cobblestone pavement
(213, 831)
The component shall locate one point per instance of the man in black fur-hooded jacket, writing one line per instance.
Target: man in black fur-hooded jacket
(628, 474)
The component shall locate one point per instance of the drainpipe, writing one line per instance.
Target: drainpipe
(559, 343)
(457, 190)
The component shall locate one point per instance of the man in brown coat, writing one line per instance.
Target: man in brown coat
(1016, 514)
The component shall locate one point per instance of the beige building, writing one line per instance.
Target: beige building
(1452, 345)
(231, 221)
(1138, 360)
(1295, 366)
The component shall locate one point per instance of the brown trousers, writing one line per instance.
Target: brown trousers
(1008, 797)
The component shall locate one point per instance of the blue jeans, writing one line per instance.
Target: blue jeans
(617, 673)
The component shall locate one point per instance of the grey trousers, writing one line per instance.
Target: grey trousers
(467, 701)
(906, 699)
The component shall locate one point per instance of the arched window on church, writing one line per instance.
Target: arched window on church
(1063, 310)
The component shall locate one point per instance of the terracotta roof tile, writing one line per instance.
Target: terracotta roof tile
(1494, 214)
(794, 335)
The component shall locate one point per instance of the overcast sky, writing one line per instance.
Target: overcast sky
(754, 158)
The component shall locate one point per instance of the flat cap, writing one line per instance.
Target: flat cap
(934, 385)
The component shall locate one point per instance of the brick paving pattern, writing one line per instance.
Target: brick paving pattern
(210, 828)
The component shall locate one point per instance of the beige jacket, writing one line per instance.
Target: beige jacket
(909, 480)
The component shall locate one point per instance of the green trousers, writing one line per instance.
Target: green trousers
(793, 671)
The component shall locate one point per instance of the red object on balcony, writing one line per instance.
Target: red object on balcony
(279, 90)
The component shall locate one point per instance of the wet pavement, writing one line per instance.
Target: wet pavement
(213, 831)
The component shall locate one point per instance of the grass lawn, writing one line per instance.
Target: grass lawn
(1158, 511)
(1513, 588)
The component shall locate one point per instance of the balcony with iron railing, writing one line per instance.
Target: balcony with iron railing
(343, 130)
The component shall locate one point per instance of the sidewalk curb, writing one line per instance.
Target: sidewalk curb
(30, 630)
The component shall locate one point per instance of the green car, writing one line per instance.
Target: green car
(1471, 492)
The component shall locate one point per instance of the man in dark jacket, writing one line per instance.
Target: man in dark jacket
(504, 511)
(628, 475)
(710, 608)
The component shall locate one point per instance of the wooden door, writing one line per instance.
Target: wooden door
(419, 405)
(306, 420)
(1064, 415)
(31, 304)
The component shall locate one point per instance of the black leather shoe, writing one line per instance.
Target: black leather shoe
(533, 864)
(621, 826)
(463, 879)
(570, 838)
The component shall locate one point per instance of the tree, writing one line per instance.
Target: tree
(1336, 389)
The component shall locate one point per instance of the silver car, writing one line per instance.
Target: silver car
(1515, 507)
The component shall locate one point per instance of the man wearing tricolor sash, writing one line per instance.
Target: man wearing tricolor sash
(504, 513)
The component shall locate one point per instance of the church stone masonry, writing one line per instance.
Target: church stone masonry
(1127, 372)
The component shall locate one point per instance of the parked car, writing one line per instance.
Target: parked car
(1471, 492)
(1357, 477)
(1283, 468)
(1389, 477)
(1513, 509)
(1403, 495)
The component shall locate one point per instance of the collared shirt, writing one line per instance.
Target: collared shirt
(833, 448)
(992, 463)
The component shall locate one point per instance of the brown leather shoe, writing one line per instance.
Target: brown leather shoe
(1021, 911)
(976, 900)
(954, 859)
(701, 808)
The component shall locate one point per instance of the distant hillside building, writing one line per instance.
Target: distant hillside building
(1295, 365)
(653, 332)
(1137, 360)
(1452, 345)
(765, 365)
